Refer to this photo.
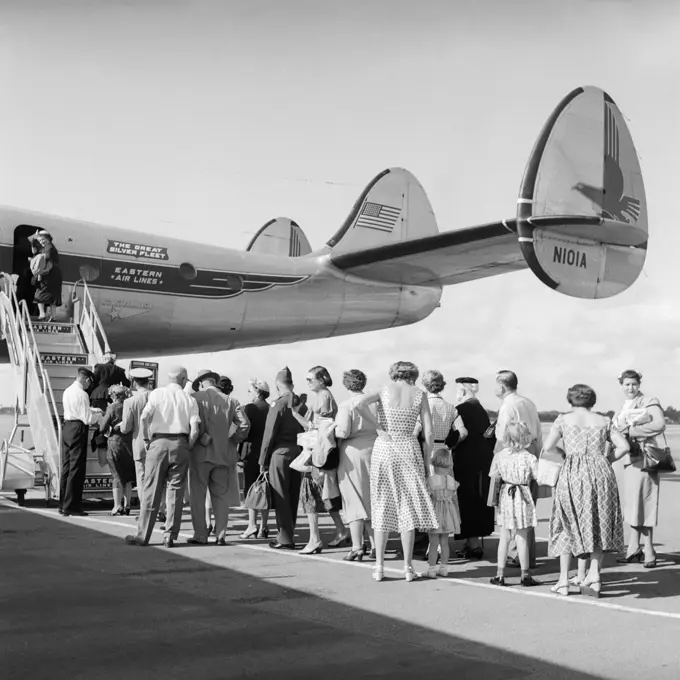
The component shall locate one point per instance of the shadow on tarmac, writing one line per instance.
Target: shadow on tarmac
(77, 603)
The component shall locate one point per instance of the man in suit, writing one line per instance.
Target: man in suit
(279, 449)
(105, 375)
(132, 422)
(213, 463)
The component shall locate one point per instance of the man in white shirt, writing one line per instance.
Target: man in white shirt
(78, 416)
(515, 407)
(170, 423)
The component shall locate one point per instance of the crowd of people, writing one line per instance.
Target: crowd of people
(400, 459)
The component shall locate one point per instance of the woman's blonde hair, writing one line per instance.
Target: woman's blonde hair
(517, 436)
(442, 458)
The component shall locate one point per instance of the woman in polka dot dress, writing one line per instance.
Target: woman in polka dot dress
(400, 498)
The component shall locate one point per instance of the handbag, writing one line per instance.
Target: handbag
(549, 465)
(494, 496)
(657, 459)
(259, 496)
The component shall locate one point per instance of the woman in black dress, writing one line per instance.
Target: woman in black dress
(48, 281)
(471, 464)
(249, 453)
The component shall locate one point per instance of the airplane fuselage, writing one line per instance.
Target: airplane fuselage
(161, 296)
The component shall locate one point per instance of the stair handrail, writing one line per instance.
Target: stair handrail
(95, 345)
(32, 355)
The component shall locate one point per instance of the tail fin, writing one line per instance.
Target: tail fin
(280, 236)
(582, 210)
(391, 209)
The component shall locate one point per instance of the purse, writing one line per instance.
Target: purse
(259, 496)
(657, 459)
(494, 496)
(549, 466)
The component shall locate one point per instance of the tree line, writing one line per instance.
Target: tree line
(672, 415)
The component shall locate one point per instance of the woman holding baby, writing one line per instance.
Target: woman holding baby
(641, 420)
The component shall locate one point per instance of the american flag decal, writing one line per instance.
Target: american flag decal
(380, 217)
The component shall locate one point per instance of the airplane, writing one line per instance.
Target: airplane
(580, 226)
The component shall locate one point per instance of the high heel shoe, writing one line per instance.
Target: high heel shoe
(410, 574)
(249, 533)
(377, 574)
(355, 555)
(637, 556)
(562, 590)
(591, 588)
(263, 533)
(127, 510)
(117, 511)
(339, 542)
(650, 564)
(316, 550)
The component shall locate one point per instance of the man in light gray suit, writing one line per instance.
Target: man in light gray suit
(132, 422)
(214, 458)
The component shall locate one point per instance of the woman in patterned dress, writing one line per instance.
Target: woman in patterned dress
(586, 514)
(641, 420)
(400, 499)
(321, 412)
(445, 418)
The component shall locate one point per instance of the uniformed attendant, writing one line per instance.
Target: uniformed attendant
(78, 416)
(132, 422)
(213, 462)
(279, 449)
(170, 423)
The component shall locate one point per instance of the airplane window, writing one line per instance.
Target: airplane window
(187, 271)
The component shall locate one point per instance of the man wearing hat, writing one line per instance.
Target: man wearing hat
(279, 449)
(78, 416)
(170, 423)
(214, 459)
(132, 422)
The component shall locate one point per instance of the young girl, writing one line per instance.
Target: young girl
(443, 492)
(516, 509)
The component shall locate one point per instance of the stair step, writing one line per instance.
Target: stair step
(73, 347)
(63, 359)
(60, 371)
(53, 328)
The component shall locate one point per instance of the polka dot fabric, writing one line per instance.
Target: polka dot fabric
(400, 500)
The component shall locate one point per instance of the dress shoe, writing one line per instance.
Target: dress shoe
(197, 541)
(134, 540)
(528, 581)
(60, 511)
(221, 541)
(77, 513)
(339, 541)
(169, 542)
(497, 581)
(275, 545)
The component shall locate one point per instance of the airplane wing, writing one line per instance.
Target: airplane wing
(443, 259)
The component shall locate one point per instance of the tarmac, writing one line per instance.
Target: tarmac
(77, 603)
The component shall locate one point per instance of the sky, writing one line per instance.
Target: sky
(209, 118)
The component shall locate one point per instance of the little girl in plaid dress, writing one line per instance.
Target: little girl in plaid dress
(516, 508)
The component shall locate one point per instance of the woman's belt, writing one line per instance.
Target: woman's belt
(440, 441)
(523, 490)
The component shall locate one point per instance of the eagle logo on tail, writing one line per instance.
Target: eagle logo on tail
(611, 199)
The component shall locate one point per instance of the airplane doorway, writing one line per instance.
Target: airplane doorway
(22, 248)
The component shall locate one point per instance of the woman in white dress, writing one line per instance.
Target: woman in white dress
(400, 499)
(356, 430)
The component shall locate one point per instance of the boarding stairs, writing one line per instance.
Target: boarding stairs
(45, 357)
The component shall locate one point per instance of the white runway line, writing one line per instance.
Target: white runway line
(450, 580)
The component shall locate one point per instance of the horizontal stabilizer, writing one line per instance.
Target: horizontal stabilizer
(443, 259)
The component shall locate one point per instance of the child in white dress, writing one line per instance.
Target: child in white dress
(516, 508)
(443, 493)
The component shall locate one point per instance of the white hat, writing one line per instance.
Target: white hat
(141, 373)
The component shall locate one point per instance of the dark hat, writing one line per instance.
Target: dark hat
(204, 373)
(284, 375)
(469, 381)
